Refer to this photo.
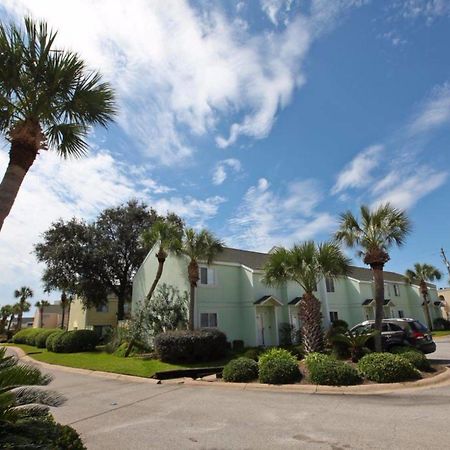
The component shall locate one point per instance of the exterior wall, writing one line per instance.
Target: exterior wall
(51, 318)
(77, 316)
(236, 288)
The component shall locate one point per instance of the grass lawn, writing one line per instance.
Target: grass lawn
(441, 333)
(106, 362)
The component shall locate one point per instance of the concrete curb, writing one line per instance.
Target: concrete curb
(442, 379)
(96, 373)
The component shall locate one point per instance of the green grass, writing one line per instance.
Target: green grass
(441, 333)
(106, 362)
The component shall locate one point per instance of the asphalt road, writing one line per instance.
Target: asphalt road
(116, 414)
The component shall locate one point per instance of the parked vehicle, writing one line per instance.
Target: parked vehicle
(400, 332)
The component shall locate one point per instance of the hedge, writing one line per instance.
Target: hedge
(414, 356)
(26, 336)
(327, 370)
(441, 324)
(191, 346)
(41, 339)
(52, 339)
(278, 366)
(387, 368)
(73, 341)
(240, 370)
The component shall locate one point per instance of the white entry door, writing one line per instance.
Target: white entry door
(260, 329)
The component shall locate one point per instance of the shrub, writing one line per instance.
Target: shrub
(387, 368)
(41, 338)
(341, 324)
(191, 346)
(240, 370)
(49, 343)
(253, 353)
(278, 366)
(327, 370)
(74, 341)
(414, 356)
(441, 324)
(238, 345)
(26, 336)
(297, 350)
(339, 349)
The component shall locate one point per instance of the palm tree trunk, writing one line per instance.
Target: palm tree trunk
(19, 321)
(378, 278)
(41, 314)
(193, 280)
(10, 321)
(21, 158)
(426, 308)
(63, 317)
(311, 323)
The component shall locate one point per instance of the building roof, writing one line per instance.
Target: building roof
(369, 301)
(295, 301)
(256, 261)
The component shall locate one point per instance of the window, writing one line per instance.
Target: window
(329, 282)
(334, 316)
(387, 290)
(208, 320)
(102, 308)
(396, 290)
(207, 276)
(401, 314)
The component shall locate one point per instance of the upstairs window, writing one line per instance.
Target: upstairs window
(207, 276)
(333, 316)
(208, 320)
(329, 282)
(102, 308)
(387, 290)
(396, 290)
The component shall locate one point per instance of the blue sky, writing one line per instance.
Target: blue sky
(261, 120)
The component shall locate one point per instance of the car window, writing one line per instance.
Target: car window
(384, 327)
(395, 327)
(418, 326)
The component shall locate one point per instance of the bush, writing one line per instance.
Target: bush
(387, 368)
(327, 370)
(191, 346)
(253, 353)
(238, 345)
(49, 343)
(74, 341)
(41, 338)
(278, 366)
(240, 370)
(339, 349)
(414, 356)
(26, 336)
(441, 324)
(297, 350)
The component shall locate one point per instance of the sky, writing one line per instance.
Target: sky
(261, 120)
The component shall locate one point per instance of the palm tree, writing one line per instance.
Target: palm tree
(41, 305)
(306, 264)
(424, 273)
(5, 312)
(376, 232)
(168, 234)
(48, 100)
(198, 246)
(14, 311)
(65, 304)
(23, 306)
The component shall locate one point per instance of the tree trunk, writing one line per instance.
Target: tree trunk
(41, 314)
(426, 306)
(121, 306)
(19, 321)
(378, 278)
(3, 324)
(10, 321)
(21, 157)
(63, 317)
(311, 323)
(194, 276)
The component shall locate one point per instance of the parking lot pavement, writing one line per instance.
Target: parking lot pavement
(118, 414)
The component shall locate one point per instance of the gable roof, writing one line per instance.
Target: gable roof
(256, 261)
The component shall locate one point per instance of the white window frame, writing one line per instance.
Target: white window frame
(209, 313)
(329, 285)
(396, 290)
(211, 276)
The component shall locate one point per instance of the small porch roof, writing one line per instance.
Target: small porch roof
(295, 301)
(371, 302)
(268, 300)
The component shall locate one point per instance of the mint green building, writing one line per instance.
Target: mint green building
(232, 297)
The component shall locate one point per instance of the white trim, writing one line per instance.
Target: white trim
(277, 335)
(271, 297)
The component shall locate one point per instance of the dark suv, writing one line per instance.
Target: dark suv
(403, 332)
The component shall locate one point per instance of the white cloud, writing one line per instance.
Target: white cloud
(220, 172)
(433, 113)
(266, 218)
(430, 10)
(276, 8)
(182, 70)
(358, 173)
(409, 189)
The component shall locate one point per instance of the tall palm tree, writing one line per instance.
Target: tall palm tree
(14, 311)
(168, 235)
(48, 100)
(306, 264)
(5, 312)
(41, 306)
(424, 273)
(374, 234)
(198, 246)
(66, 301)
(22, 294)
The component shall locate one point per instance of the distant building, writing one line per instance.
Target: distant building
(444, 297)
(51, 318)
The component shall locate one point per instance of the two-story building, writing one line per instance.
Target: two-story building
(232, 296)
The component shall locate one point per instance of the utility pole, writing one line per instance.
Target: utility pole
(446, 261)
